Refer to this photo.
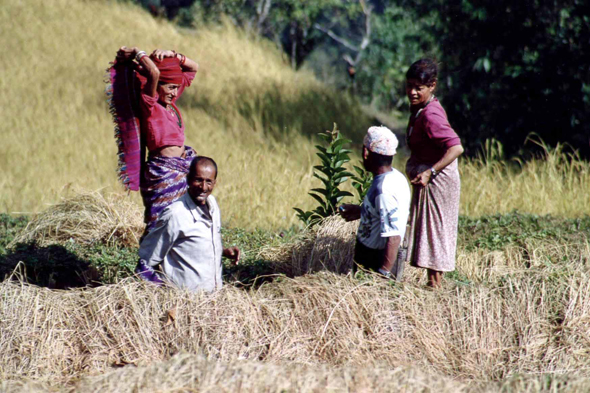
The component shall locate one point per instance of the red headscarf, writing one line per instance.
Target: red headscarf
(170, 71)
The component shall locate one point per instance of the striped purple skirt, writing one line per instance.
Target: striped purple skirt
(163, 182)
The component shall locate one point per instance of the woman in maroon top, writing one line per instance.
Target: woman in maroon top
(163, 75)
(433, 172)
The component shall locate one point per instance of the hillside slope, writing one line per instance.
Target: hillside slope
(247, 108)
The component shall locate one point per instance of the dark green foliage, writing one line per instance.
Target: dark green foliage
(111, 263)
(501, 230)
(73, 265)
(511, 68)
(332, 174)
(9, 227)
(399, 36)
(361, 182)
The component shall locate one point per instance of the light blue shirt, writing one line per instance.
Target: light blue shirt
(186, 242)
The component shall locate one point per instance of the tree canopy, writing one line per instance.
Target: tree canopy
(507, 69)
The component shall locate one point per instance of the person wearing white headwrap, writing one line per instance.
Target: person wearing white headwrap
(385, 209)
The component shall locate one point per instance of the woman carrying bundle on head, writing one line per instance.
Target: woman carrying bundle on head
(433, 171)
(143, 92)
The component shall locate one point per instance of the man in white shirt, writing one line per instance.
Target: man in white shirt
(186, 240)
(385, 209)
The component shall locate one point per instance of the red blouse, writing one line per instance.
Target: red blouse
(429, 134)
(163, 127)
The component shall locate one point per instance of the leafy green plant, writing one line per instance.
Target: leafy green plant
(361, 182)
(332, 174)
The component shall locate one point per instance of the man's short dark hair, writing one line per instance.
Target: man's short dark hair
(192, 171)
(380, 160)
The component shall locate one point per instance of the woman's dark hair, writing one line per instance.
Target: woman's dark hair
(192, 171)
(423, 70)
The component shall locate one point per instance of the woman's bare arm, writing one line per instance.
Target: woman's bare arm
(147, 68)
(188, 65)
(450, 155)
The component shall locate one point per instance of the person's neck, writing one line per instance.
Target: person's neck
(202, 205)
(416, 108)
(381, 170)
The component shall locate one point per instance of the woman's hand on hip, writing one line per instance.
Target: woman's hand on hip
(422, 179)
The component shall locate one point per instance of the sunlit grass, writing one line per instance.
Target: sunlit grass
(555, 183)
(246, 108)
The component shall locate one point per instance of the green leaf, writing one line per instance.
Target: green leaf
(317, 198)
(325, 158)
(343, 194)
(320, 148)
(320, 191)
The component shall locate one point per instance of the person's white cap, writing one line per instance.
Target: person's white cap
(381, 140)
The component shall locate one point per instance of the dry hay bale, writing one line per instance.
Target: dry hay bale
(184, 373)
(196, 373)
(532, 322)
(528, 323)
(87, 217)
(328, 246)
(323, 318)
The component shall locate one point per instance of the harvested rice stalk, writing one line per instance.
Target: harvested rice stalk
(87, 217)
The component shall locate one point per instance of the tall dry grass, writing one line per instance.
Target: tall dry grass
(246, 108)
(518, 316)
(556, 182)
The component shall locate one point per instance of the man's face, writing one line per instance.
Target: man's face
(365, 158)
(201, 185)
(167, 92)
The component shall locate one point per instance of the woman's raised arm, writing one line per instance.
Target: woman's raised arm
(186, 64)
(146, 67)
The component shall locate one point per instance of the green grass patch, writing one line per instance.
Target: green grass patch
(73, 265)
(495, 232)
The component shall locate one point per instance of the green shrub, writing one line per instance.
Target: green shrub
(332, 174)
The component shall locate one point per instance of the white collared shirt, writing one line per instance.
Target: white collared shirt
(385, 210)
(186, 241)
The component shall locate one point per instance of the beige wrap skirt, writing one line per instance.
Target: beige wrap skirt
(434, 218)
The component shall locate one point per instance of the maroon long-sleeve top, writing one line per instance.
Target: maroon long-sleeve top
(429, 134)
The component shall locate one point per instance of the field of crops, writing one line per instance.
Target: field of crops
(515, 315)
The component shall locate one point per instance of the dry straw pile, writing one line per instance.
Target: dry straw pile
(524, 311)
(87, 217)
(193, 373)
(329, 246)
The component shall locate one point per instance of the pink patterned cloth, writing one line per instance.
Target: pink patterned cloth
(122, 92)
(381, 140)
(434, 218)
